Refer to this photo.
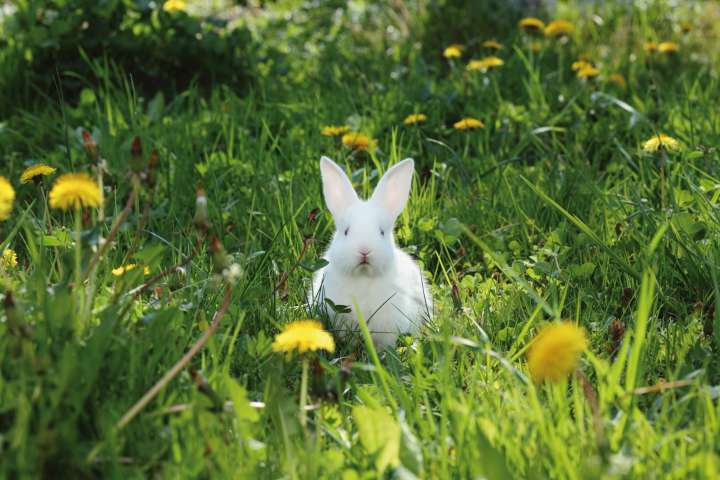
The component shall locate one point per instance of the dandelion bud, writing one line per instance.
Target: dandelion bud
(457, 300)
(313, 215)
(152, 169)
(616, 332)
(90, 146)
(202, 218)
(137, 163)
(220, 258)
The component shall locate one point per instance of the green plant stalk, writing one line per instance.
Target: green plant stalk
(647, 289)
(546, 431)
(645, 302)
(375, 358)
(45, 211)
(303, 390)
(78, 290)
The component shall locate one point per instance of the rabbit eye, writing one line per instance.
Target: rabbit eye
(347, 230)
(382, 232)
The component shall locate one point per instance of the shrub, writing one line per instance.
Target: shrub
(161, 50)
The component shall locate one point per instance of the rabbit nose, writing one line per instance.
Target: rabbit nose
(364, 252)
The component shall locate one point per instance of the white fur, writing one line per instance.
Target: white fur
(390, 290)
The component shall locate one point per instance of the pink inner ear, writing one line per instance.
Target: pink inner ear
(337, 189)
(394, 188)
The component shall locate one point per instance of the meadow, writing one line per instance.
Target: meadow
(566, 173)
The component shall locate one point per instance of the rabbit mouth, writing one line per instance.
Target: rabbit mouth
(363, 267)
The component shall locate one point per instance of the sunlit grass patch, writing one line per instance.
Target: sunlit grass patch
(154, 308)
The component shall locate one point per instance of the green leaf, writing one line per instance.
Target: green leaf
(150, 253)
(379, 435)
(338, 308)
(411, 455)
(314, 266)
(156, 107)
(544, 267)
(202, 168)
(582, 271)
(240, 401)
(494, 464)
(686, 222)
(87, 97)
(682, 197)
(426, 224)
(449, 230)
(59, 238)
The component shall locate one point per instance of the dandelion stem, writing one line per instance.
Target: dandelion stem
(303, 391)
(78, 260)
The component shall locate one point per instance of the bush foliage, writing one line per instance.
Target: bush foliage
(160, 50)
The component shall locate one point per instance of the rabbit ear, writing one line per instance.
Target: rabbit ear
(393, 190)
(337, 189)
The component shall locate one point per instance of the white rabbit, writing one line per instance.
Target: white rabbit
(365, 269)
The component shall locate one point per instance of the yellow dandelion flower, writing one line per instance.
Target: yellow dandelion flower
(486, 63)
(454, 51)
(358, 141)
(661, 142)
(580, 64)
(474, 65)
(334, 130)
(558, 28)
(668, 47)
(468, 123)
(531, 24)
(555, 351)
(492, 44)
(492, 62)
(618, 80)
(588, 72)
(7, 197)
(35, 171)
(174, 6)
(415, 118)
(121, 270)
(9, 259)
(650, 46)
(75, 190)
(303, 336)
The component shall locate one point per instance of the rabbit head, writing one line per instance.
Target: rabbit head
(363, 244)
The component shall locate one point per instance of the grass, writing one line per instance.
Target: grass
(552, 211)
